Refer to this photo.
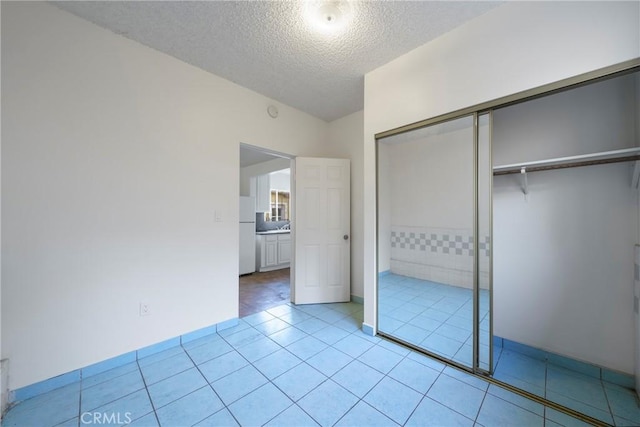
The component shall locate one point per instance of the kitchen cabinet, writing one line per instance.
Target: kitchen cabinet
(263, 193)
(284, 249)
(273, 251)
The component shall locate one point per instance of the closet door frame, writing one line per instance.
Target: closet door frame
(625, 67)
(475, 360)
(487, 195)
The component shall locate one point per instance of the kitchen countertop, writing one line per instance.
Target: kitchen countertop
(273, 232)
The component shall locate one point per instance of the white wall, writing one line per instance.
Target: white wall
(563, 257)
(514, 47)
(345, 141)
(563, 263)
(586, 120)
(114, 158)
(280, 181)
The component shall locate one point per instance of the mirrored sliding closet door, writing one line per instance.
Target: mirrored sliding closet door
(433, 268)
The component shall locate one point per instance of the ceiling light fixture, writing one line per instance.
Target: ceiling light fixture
(328, 17)
(330, 14)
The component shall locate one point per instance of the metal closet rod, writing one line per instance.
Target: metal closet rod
(616, 156)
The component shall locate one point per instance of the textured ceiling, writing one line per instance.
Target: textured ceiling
(269, 46)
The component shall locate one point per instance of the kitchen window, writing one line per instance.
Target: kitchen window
(280, 205)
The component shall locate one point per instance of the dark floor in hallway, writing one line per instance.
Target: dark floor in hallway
(261, 291)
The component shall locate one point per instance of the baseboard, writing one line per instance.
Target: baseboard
(4, 391)
(368, 329)
(45, 386)
(592, 370)
(357, 299)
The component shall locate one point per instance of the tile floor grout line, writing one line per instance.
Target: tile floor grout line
(153, 406)
(120, 396)
(80, 401)
(352, 407)
(224, 405)
(306, 394)
(156, 382)
(303, 410)
(546, 377)
(295, 402)
(104, 372)
(606, 396)
(275, 416)
(440, 403)
(475, 419)
(424, 396)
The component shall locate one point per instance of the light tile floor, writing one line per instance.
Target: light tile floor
(599, 399)
(287, 366)
(433, 316)
(438, 318)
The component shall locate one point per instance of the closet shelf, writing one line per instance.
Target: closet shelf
(624, 155)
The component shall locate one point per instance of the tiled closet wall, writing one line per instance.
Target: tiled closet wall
(443, 255)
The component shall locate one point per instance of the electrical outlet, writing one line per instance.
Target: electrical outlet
(145, 309)
(217, 215)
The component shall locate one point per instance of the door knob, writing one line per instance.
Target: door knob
(345, 237)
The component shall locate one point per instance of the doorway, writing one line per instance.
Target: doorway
(317, 201)
(265, 229)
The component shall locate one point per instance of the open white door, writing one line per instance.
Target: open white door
(322, 231)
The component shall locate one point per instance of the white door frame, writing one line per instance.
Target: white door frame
(293, 217)
(292, 162)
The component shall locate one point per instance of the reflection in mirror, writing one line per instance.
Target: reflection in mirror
(425, 238)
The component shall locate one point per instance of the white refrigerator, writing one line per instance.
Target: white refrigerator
(247, 235)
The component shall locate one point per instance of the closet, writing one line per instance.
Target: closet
(565, 209)
(566, 222)
(506, 241)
